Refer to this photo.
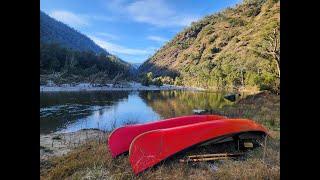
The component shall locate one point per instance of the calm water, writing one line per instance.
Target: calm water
(71, 111)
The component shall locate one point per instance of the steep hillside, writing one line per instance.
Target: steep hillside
(52, 31)
(62, 65)
(67, 56)
(236, 48)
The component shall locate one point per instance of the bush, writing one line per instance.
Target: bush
(252, 12)
(236, 22)
(273, 86)
(157, 81)
(167, 80)
(252, 78)
(212, 38)
(215, 50)
(147, 79)
(178, 81)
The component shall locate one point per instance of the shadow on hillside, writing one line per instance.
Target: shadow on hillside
(157, 70)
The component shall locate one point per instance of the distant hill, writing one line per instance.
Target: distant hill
(63, 65)
(68, 56)
(53, 31)
(238, 47)
(136, 65)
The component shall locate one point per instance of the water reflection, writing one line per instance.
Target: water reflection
(107, 110)
(176, 103)
(127, 111)
(60, 110)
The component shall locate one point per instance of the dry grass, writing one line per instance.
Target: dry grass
(93, 161)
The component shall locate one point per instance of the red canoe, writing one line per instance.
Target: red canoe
(120, 139)
(150, 148)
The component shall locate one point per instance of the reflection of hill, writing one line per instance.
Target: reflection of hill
(83, 98)
(176, 103)
(60, 109)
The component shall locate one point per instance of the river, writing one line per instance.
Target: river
(106, 110)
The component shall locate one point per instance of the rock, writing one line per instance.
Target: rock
(232, 97)
(199, 111)
(212, 167)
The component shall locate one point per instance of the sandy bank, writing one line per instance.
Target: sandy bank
(58, 144)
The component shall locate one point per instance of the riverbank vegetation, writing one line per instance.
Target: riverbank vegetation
(92, 160)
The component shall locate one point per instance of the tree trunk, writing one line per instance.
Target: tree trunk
(277, 60)
(278, 66)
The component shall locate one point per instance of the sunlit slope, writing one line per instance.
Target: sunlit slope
(229, 49)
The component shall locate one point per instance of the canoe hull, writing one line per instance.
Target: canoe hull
(150, 148)
(120, 139)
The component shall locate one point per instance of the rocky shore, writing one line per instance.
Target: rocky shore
(131, 86)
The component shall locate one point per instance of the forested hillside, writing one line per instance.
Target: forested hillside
(63, 65)
(236, 48)
(53, 31)
(68, 56)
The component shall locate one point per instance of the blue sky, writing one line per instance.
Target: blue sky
(131, 29)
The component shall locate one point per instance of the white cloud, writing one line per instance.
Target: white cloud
(154, 12)
(157, 39)
(100, 18)
(187, 20)
(107, 35)
(158, 13)
(115, 5)
(118, 49)
(69, 18)
(77, 20)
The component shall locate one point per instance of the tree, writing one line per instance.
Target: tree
(147, 79)
(157, 81)
(274, 46)
(117, 78)
(82, 64)
(269, 48)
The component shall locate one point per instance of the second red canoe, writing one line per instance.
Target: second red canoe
(120, 139)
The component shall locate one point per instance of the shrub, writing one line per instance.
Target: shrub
(215, 50)
(252, 12)
(167, 80)
(236, 22)
(251, 78)
(178, 81)
(157, 81)
(147, 79)
(212, 38)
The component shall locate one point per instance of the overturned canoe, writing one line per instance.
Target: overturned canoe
(150, 148)
(120, 139)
